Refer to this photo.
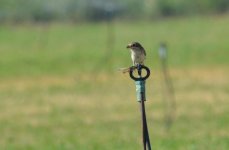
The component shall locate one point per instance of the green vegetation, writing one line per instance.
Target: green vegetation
(53, 97)
(64, 48)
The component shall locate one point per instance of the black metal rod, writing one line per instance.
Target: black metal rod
(140, 88)
(142, 107)
(145, 133)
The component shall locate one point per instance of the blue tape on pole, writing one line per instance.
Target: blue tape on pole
(140, 90)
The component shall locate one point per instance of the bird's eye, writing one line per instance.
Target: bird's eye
(134, 45)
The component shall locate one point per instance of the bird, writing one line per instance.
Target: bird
(138, 55)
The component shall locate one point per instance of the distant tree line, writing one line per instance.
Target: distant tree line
(96, 10)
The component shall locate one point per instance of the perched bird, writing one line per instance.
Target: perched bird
(138, 55)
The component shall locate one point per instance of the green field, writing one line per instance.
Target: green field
(57, 93)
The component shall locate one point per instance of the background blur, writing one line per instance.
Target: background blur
(60, 88)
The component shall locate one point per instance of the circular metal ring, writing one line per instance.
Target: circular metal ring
(140, 78)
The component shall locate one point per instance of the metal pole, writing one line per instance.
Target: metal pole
(140, 89)
(170, 103)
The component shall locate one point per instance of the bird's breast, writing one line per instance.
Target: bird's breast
(137, 56)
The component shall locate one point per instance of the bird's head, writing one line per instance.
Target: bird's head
(134, 46)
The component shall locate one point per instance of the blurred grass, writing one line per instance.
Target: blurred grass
(62, 48)
(50, 98)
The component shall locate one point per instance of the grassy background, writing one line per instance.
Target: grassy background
(54, 96)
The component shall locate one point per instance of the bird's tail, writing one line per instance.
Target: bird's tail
(124, 70)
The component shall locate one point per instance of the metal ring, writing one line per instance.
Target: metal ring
(140, 78)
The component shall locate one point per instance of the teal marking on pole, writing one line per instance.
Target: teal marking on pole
(140, 90)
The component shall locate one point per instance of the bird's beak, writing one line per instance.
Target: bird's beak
(128, 46)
